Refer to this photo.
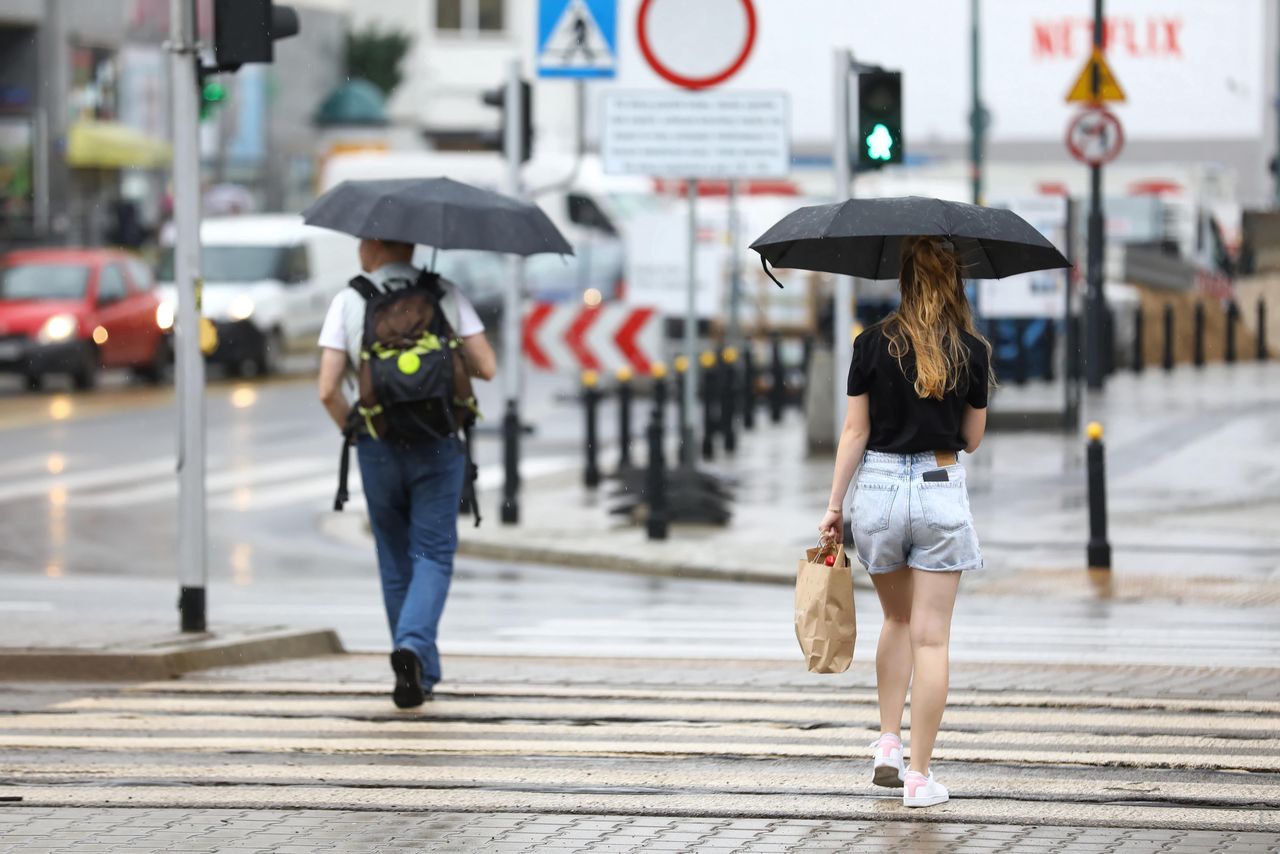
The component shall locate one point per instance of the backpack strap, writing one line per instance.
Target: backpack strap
(470, 502)
(364, 286)
(344, 461)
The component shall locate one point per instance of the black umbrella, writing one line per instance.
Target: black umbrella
(863, 237)
(437, 212)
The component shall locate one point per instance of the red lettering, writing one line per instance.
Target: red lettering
(1131, 38)
(1172, 34)
(1042, 41)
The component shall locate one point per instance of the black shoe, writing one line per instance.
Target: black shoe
(408, 693)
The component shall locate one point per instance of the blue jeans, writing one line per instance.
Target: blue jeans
(413, 495)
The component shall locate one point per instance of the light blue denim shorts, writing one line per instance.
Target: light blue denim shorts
(899, 519)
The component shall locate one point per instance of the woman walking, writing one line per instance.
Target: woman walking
(917, 397)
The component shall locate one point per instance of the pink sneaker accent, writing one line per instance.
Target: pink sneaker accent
(913, 782)
(889, 743)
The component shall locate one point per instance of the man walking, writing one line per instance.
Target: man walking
(412, 489)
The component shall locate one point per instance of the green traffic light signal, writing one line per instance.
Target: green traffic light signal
(879, 119)
(212, 96)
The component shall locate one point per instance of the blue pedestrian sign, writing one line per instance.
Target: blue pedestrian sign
(577, 38)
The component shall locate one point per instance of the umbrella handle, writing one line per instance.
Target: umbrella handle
(764, 262)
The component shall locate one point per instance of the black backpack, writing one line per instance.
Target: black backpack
(413, 379)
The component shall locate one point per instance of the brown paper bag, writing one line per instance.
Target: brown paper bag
(825, 623)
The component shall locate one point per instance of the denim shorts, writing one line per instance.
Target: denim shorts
(899, 519)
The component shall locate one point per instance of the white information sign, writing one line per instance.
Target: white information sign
(658, 259)
(696, 134)
(1038, 294)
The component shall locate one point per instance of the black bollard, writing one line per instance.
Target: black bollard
(749, 387)
(1109, 341)
(1098, 552)
(1197, 356)
(1020, 352)
(1233, 314)
(625, 396)
(684, 426)
(729, 398)
(1138, 354)
(710, 403)
(778, 389)
(590, 405)
(1168, 337)
(655, 488)
(1262, 330)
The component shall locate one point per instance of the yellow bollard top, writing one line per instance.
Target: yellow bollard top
(590, 378)
(729, 355)
(623, 374)
(682, 364)
(707, 359)
(1094, 431)
(658, 370)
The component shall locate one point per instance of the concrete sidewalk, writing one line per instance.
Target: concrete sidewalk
(62, 646)
(1192, 501)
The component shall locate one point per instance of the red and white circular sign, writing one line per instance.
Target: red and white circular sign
(696, 45)
(1095, 136)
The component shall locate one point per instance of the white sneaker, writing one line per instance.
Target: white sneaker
(888, 768)
(921, 791)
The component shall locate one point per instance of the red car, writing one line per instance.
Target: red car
(74, 311)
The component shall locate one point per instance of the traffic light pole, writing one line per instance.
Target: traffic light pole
(511, 313)
(192, 568)
(842, 317)
(1095, 305)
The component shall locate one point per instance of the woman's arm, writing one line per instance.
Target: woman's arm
(853, 442)
(973, 426)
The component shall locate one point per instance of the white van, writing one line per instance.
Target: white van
(268, 281)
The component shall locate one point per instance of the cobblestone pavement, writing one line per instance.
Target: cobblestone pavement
(309, 831)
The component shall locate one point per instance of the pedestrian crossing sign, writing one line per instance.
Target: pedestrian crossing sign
(577, 38)
(1108, 86)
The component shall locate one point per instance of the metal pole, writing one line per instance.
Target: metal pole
(842, 317)
(1071, 346)
(1095, 367)
(55, 69)
(183, 59)
(511, 314)
(977, 117)
(735, 270)
(1098, 551)
(690, 331)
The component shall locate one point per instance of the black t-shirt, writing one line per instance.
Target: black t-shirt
(902, 422)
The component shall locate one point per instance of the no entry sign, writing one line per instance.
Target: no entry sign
(696, 45)
(1095, 136)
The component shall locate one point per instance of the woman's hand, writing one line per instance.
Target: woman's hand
(832, 526)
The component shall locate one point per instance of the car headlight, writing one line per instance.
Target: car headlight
(240, 308)
(58, 328)
(164, 316)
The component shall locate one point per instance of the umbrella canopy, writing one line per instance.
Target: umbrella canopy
(863, 237)
(438, 212)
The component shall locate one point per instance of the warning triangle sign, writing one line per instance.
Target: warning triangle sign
(1108, 87)
(576, 41)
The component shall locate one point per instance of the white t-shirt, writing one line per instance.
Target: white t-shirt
(344, 324)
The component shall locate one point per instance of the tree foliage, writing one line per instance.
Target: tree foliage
(377, 56)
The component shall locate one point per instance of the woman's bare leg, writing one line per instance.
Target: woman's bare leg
(933, 599)
(893, 653)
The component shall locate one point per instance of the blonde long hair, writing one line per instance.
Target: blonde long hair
(929, 321)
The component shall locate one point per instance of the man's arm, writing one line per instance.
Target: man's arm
(482, 362)
(333, 363)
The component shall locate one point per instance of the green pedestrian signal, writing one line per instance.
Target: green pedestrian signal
(879, 119)
(880, 143)
(212, 95)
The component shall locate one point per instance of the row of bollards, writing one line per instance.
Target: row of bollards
(1230, 340)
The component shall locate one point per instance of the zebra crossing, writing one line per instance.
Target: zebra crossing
(648, 747)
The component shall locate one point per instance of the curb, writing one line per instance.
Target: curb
(168, 659)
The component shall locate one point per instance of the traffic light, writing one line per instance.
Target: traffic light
(497, 97)
(247, 30)
(879, 140)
